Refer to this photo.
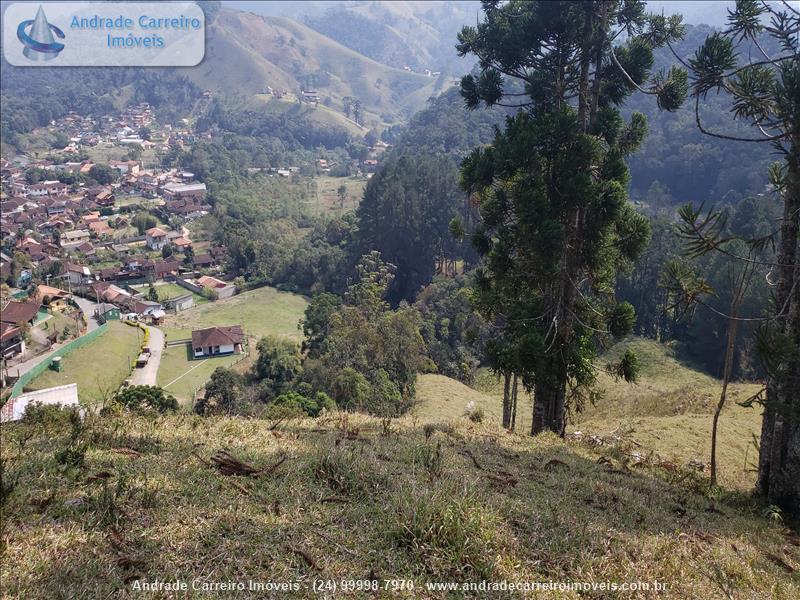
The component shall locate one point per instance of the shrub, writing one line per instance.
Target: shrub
(310, 406)
(146, 397)
(351, 389)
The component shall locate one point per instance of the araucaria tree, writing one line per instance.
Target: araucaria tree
(555, 225)
(756, 62)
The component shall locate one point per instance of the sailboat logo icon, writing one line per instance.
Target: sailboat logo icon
(37, 37)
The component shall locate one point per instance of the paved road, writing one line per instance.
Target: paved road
(148, 375)
(88, 308)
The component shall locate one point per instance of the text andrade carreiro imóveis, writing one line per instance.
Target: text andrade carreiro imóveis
(150, 27)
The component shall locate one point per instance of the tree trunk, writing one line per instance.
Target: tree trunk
(733, 325)
(513, 403)
(506, 399)
(779, 455)
(549, 399)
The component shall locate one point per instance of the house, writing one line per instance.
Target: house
(12, 342)
(106, 312)
(204, 261)
(56, 298)
(63, 395)
(100, 228)
(74, 238)
(78, 274)
(164, 268)
(180, 303)
(86, 248)
(155, 238)
(47, 188)
(147, 308)
(216, 341)
(175, 191)
(20, 313)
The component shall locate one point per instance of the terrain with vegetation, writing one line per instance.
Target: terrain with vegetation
(537, 325)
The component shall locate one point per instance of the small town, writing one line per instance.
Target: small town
(91, 242)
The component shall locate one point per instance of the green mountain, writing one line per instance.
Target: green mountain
(289, 56)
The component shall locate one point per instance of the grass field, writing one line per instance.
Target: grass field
(357, 496)
(171, 290)
(182, 377)
(265, 311)
(668, 411)
(327, 192)
(98, 367)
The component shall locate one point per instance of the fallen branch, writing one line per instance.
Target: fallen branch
(475, 462)
(334, 499)
(127, 452)
(229, 465)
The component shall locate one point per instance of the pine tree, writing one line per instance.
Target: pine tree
(555, 225)
(764, 88)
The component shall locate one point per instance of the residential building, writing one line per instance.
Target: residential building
(216, 341)
(12, 342)
(156, 238)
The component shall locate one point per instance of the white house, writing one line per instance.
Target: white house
(156, 238)
(216, 341)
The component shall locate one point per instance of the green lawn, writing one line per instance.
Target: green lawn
(182, 376)
(265, 311)
(98, 367)
(171, 290)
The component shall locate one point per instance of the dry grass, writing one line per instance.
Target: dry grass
(668, 411)
(355, 500)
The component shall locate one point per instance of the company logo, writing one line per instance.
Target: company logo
(37, 37)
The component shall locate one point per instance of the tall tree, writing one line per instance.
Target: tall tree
(555, 225)
(764, 91)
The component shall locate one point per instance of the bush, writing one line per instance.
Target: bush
(351, 390)
(146, 397)
(310, 406)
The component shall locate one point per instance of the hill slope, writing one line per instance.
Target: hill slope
(667, 413)
(360, 499)
(285, 54)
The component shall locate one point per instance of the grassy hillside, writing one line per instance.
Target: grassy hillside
(358, 498)
(282, 53)
(668, 413)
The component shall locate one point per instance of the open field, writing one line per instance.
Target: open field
(102, 154)
(457, 502)
(327, 192)
(265, 311)
(182, 376)
(168, 290)
(98, 367)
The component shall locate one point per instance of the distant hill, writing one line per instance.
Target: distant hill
(420, 35)
(247, 52)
